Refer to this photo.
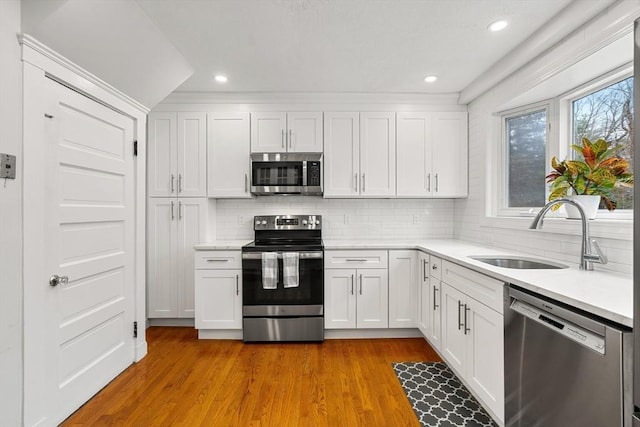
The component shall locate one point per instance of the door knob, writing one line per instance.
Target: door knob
(56, 280)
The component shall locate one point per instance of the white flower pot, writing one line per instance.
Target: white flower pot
(589, 204)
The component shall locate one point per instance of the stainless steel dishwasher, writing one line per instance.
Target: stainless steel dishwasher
(564, 367)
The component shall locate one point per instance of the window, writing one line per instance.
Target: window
(607, 113)
(525, 155)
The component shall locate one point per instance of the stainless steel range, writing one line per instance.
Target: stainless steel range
(283, 280)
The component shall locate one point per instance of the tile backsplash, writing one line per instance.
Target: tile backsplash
(356, 219)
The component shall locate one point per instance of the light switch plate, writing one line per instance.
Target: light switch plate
(7, 166)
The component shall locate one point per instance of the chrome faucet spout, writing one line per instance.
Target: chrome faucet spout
(587, 258)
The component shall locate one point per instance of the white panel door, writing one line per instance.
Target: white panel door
(219, 299)
(191, 225)
(377, 154)
(341, 154)
(268, 132)
(403, 289)
(192, 155)
(435, 313)
(454, 343)
(162, 155)
(485, 367)
(339, 298)
(413, 163)
(304, 132)
(373, 298)
(450, 162)
(89, 243)
(423, 294)
(162, 261)
(228, 154)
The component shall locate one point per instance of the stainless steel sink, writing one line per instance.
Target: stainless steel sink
(520, 263)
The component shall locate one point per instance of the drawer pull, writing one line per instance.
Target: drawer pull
(217, 259)
(356, 260)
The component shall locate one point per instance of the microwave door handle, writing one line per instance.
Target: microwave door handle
(304, 173)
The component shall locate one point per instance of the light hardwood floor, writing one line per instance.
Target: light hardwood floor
(184, 381)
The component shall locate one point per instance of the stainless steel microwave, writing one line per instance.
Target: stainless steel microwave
(286, 173)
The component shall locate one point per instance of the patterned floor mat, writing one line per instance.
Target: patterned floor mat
(437, 396)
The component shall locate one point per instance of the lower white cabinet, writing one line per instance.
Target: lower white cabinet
(218, 290)
(356, 298)
(472, 342)
(174, 226)
(403, 289)
(434, 308)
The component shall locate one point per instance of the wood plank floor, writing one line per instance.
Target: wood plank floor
(184, 381)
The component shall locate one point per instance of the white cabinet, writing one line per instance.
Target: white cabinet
(472, 332)
(218, 289)
(177, 155)
(356, 289)
(424, 309)
(174, 226)
(359, 158)
(432, 154)
(286, 132)
(228, 136)
(403, 289)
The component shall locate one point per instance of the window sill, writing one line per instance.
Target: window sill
(617, 229)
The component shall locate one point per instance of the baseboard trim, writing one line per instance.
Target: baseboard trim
(371, 333)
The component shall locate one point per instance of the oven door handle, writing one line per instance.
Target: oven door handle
(303, 255)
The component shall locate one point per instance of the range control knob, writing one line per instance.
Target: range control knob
(257, 223)
(304, 222)
(317, 222)
(264, 222)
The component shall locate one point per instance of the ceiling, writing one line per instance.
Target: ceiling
(344, 45)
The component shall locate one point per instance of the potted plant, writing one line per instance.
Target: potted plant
(598, 172)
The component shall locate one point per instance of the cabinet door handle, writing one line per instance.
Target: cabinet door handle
(361, 284)
(237, 285)
(172, 215)
(179, 183)
(355, 179)
(352, 284)
(460, 324)
(282, 138)
(428, 183)
(466, 309)
(173, 179)
(179, 210)
(363, 190)
(424, 270)
(436, 186)
(290, 139)
(246, 181)
(435, 306)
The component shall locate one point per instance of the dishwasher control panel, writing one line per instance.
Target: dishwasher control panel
(561, 326)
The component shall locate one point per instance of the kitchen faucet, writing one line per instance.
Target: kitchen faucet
(586, 257)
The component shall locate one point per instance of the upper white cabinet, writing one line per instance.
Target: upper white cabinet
(403, 289)
(432, 154)
(177, 155)
(299, 132)
(228, 136)
(359, 158)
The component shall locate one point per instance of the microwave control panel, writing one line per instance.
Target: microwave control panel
(313, 174)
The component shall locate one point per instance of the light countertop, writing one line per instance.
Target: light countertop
(603, 293)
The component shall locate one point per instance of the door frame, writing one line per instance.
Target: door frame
(40, 64)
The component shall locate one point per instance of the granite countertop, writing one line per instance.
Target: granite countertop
(603, 293)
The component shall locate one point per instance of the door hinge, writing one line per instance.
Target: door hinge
(135, 147)
(135, 329)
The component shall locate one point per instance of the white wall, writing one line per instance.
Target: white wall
(367, 219)
(484, 134)
(10, 218)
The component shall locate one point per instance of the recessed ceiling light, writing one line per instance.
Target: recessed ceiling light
(498, 25)
(220, 78)
(430, 79)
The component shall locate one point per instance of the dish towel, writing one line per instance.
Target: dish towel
(269, 270)
(290, 267)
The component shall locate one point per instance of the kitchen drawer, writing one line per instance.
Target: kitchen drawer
(484, 289)
(435, 268)
(356, 259)
(218, 260)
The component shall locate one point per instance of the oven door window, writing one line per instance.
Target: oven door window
(267, 174)
(309, 291)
